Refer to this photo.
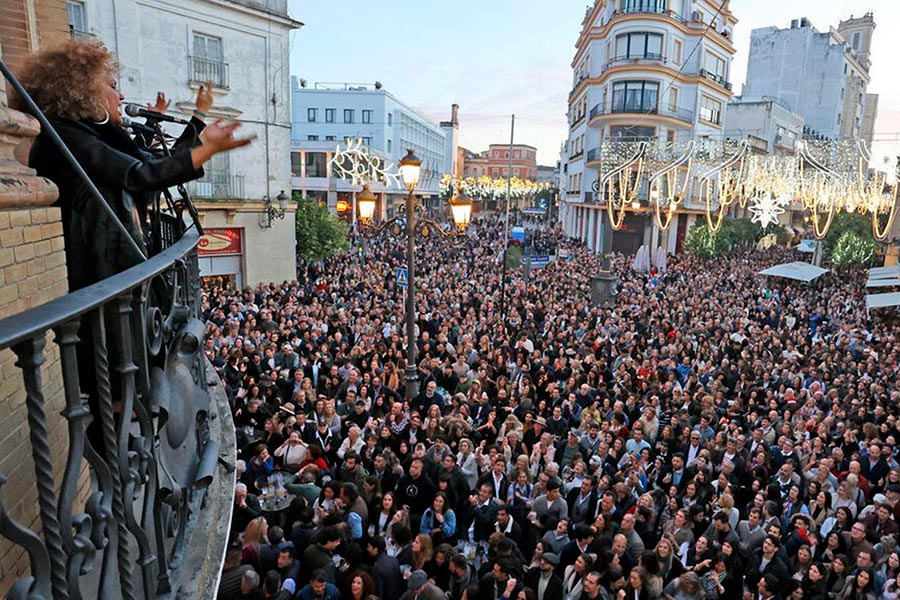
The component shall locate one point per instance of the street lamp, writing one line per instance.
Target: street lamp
(461, 208)
(365, 201)
(271, 213)
(410, 169)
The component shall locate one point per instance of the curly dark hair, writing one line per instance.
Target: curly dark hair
(62, 80)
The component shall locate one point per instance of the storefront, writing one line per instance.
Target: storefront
(221, 256)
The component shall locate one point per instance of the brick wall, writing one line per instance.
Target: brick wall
(32, 272)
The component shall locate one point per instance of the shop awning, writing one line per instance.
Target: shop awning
(892, 272)
(882, 283)
(882, 300)
(798, 271)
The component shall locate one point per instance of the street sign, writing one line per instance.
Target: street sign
(540, 261)
(402, 277)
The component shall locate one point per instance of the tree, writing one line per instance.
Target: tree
(704, 243)
(853, 250)
(320, 234)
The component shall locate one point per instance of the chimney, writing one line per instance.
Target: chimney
(454, 118)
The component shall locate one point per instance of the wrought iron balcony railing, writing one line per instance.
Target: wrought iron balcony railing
(218, 186)
(647, 108)
(132, 345)
(205, 69)
(716, 78)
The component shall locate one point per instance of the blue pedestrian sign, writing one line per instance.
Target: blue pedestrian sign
(402, 277)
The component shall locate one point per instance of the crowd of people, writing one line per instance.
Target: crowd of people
(711, 434)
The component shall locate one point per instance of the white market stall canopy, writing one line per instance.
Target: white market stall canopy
(798, 271)
(882, 300)
(881, 283)
(884, 272)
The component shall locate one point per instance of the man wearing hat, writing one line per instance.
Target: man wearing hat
(418, 588)
(543, 579)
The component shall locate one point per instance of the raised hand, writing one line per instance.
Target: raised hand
(162, 104)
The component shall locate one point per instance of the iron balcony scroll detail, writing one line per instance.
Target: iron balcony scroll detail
(136, 410)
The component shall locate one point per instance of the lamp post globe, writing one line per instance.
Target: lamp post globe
(461, 208)
(365, 202)
(410, 170)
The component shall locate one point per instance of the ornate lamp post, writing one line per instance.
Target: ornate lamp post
(365, 203)
(410, 169)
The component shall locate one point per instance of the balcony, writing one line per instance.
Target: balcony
(576, 156)
(218, 186)
(205, 69)
(645, 108)
(649, 8)
(636, 60)
(716, 78)
(134, 507)
(593, 155)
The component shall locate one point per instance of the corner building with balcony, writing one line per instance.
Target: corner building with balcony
(642, 70)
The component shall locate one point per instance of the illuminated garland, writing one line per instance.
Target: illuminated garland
(487, 188)
(354, 162)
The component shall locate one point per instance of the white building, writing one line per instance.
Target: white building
(820, 75)
(643, 69)
(771, 127)
(334, 113)
(242, 46)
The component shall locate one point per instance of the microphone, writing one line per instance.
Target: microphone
(135, 126)
(134, 110)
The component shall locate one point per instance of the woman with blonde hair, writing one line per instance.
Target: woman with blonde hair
(252, 541)
(467, 461)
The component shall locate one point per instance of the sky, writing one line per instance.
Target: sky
(496, 58)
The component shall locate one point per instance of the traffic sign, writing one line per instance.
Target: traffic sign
(402, 277)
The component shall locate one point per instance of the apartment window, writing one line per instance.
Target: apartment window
(629, 132)
(390, 119)
(208, 60)
(316, 164)
(348, 115)
(329, 115)
(673, 99)
(644, 6)
(670, 136)
(506, 154)
(640, 44)
(367, 141)
(676, 52)
(856, 41)
(367, 116)
(517, 154)
(715, 65)
(635, 96)
(77, 19)
(311, 115)
(389, 144)
(312, 138)
(295, 164)
(710, 110)
(329, 138)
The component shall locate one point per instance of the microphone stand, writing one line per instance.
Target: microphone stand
(182, 191)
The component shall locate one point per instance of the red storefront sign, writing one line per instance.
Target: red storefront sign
(221, 241)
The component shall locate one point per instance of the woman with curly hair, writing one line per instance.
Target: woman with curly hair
(75, 86)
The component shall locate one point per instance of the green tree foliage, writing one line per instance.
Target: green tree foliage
(853, 250)
(733, 235)
(320, 234)
(843, 222)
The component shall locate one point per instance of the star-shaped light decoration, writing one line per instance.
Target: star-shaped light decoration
(766, 208)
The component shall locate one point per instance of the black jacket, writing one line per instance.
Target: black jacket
(126, 176)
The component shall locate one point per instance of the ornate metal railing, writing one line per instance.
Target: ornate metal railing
(137, 412)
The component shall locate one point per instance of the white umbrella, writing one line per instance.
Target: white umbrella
(636, 263)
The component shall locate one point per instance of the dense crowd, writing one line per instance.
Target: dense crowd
(711, 435)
